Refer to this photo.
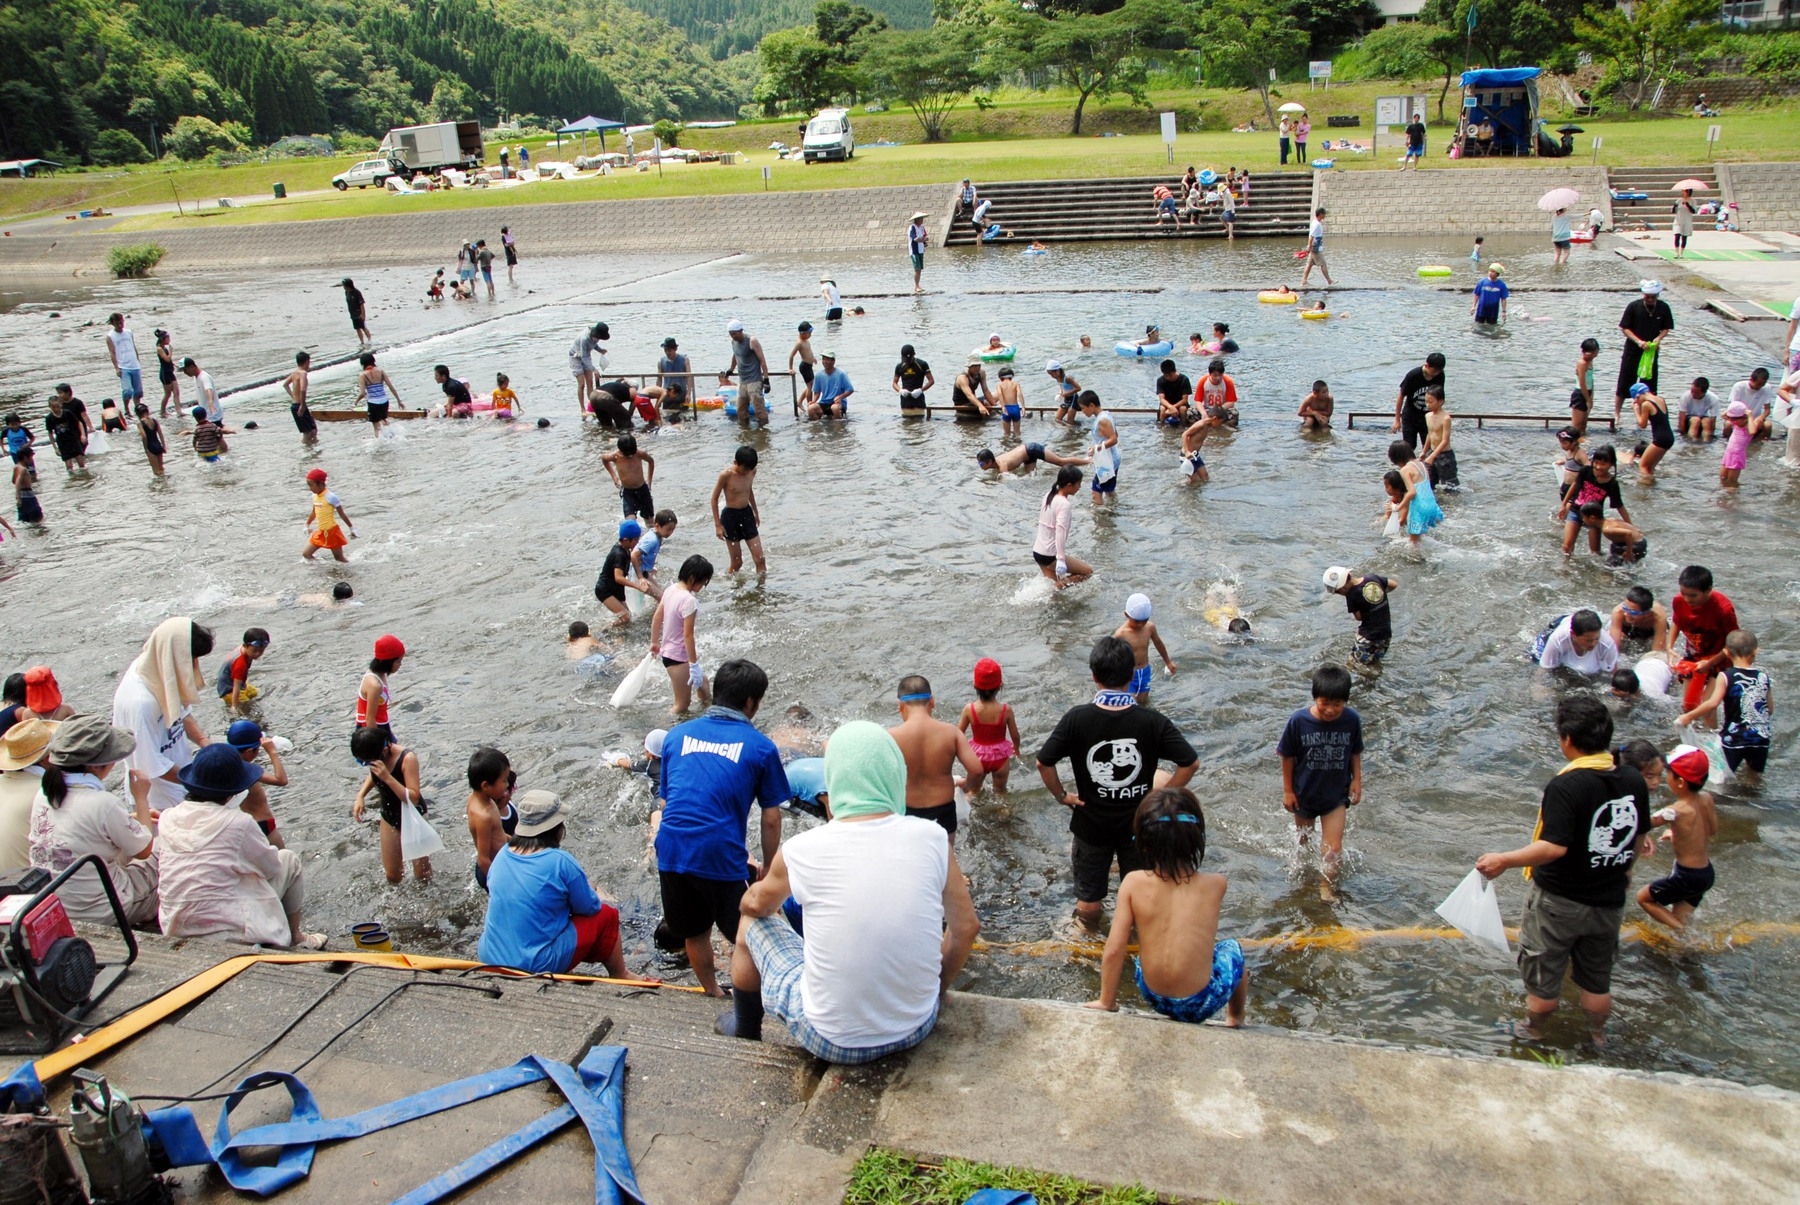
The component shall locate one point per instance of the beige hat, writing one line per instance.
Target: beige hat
(25, 743)
(919, 216)
(539, 812)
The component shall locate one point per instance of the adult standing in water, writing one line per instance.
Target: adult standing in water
(510, 245)
(581, 361)
(752, 370)
(917, 239)
(208, 392)
(359, 321)
(1409, 403)
(1645, 324)
(122, 348)
(154, 702)
(834, 300)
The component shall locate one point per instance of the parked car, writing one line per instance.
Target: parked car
(369, 171)
(828, 136)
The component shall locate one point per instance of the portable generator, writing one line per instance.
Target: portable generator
(50, 978)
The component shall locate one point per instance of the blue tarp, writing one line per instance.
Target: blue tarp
(1500, 77)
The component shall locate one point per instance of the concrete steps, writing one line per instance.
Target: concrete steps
(1091, 210)
(1656, 181)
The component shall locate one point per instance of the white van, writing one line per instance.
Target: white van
(369, 171)
(828, 136)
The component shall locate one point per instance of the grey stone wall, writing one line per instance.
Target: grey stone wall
(1767, 194)
(1471, 200)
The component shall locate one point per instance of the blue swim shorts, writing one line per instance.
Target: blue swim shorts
(1013, 413)
(1140, 680)
(1228, 972)
(1105, 487)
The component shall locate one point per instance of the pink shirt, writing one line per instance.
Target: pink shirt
(677, 604)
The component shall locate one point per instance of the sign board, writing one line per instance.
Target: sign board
(1319, 69)
(1712, 133)
(1399, 110)
(765, 173)
(1470, 102)
(1271, 75)
(1168, 128)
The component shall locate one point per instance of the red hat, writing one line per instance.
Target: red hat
(42, 695)
(987, 674)
(1689, 764)
(389, 648)
(315, 474)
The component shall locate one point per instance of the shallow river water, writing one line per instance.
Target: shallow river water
(890, 554)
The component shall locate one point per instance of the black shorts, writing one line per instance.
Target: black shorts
(739, 523)
(806, 372)
(943, 815)
(1737, 755)
(1687, 885)
(1317, 809)
(1619, 554)
(1577, 400)
(1044, 561)
(1091, 865)
(1628, 371)
(669, 661)
(636, 500)
(378, 412)
(605, 587)
(303, 420)
(1443, 471)
(512, 256)
(693, 905)
(835, 314)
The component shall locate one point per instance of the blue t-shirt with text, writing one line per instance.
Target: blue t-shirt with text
(1488, 296)
(713, 769)
(1321, 753)
(532, 900)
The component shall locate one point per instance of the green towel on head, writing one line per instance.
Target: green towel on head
(865, 772)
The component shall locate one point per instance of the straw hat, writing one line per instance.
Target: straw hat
(25, 743)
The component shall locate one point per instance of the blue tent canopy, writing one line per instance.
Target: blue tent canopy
(1499, 77)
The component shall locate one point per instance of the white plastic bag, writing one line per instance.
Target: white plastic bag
(1707, 741)
(98, 444)
(638, 603)
(417, 838)
(1392, 528)
(633, 685)
(1474, 908)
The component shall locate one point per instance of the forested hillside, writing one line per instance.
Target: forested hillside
(88, 80)
(728, 27)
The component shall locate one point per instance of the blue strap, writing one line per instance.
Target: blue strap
(595, 1095)
(1001, 1196)
(21, 1092)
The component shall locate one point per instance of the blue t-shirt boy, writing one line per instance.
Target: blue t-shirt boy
(1489, 293)
(648, 545)
(713, 769)
(532, 900)
(1322, 752)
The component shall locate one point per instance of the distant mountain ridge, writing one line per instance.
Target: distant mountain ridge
(727, 27)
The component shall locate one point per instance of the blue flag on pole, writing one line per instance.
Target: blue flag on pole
(1472, 15)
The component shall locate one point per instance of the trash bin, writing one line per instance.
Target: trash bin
(280, 191)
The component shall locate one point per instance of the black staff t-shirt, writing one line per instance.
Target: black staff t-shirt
(1598, 816)
(1114, 756)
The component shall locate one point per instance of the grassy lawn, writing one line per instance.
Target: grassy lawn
(979, 148)
(889, 1178)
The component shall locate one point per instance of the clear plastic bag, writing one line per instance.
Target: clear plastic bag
(417, 838)
(1474, 909)
(1707, 741)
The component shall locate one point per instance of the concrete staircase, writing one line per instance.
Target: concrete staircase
(1063, 211)
(1656, 181)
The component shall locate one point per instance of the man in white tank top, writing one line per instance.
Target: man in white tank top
(887, 917)
(122, 348)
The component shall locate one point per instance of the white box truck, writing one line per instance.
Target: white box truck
(434, 147)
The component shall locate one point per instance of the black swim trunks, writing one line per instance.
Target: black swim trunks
(303, 419)
(378, 412)
(739, 523)
(693, 905)
(636, 499)
(943, 815)
(1688, 885)
(1033, 453)
(806, 371)
(1620, 554)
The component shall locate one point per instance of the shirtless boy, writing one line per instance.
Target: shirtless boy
(740, 522)
(1316, 407)
(1010, 396)
(932, 749)
(489, 807)
(1026, 455)
(1692, 822)
(1140, 634)
(1192, 439)
(297, 383)
(632, 472)
(803, 354)
(1440, 460)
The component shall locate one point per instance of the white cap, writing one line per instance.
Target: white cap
(1650, 287)
(733, 327)
(1053, 366)
(653, 742)
(994, 337)
(1138, 607)
(1336, 577)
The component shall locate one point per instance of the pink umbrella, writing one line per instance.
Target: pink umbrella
(1558, 198)
(1692, 185)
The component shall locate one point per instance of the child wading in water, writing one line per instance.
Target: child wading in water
(932, 750)
(394, 777)
(1414, 505)
(1140, 634)
(1749, 699)
(151, 433)
(672, 632)
(993, 732)
(740, 521)
(1183, 971)
(1321, 767)
(489, 807)
(1741, 427)
(208, 437)
(1692, 822)
(233, 683)
(325, 515)
(373, 695)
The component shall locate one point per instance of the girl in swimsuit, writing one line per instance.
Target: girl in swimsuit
(374, 388)
(1652, 412)
(165, 370)
(993, 732)
(394, 779)
(150, 432)
(373, 695)
(1572, 459)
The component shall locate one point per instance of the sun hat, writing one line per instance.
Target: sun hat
(1735, 410)
(994, 337)
(217, 773)
(670, 342)
(244, 735)
(734, 327)
(1053, 366)
(1637, 389)
(988, 675)
(1689, 764)
(89, 740)
(1650, 287)
(630, 529)
(539, 812)
(919, 216)
(41, 691)
(826, 279)
(974, 361)
(1336, 577)
(828, 355)
(1138, 607)
(388, 647)
(653, 741)
(25, 742)
(315, 474)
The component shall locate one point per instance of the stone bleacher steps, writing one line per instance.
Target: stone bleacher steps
(1656, 181)
(1061, 211)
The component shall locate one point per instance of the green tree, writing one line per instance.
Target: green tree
(1641, 43)
(197, 137)
(1244, 41)
(1096, 54)
(1332, 23)
(838, 24)
(451, 100)
(800, 72)
(112, 148)
(1444, 43)
(668, 131)
(927, 70)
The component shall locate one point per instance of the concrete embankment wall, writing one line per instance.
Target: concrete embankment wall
(853, 219)
(1472, 200)
(1767, 194)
